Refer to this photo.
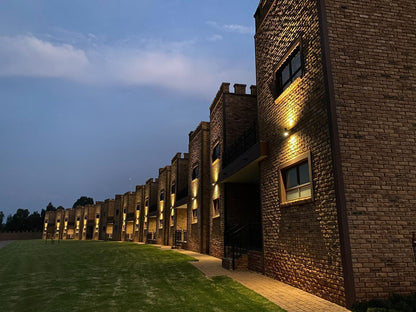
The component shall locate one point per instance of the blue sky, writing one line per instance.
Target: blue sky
(96, 96)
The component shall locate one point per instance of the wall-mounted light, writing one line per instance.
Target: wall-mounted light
(193, 198)
(213, 184)
(286, 132)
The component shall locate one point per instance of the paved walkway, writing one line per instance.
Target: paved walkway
(287, 297)
(5, 243)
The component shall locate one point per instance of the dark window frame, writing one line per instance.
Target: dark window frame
(216, 152)
(216, 207)
(277, 87)
(195, 172)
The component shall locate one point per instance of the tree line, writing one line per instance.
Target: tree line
(22, 220)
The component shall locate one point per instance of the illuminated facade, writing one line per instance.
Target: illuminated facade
(178, 200)
(163, 206)
(309, 178)
(198, 195)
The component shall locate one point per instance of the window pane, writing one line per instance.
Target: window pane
(285, 74)
(296, 62)
(292, 195)
(304, 173)
(291, 178)
(296, 75)
(305, 191)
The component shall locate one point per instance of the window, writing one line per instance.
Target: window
(216, 211)
(162, 195)
(97, 216)
(117, 212)
(147, 202)
(173, 188)
(290, 70)
(216, 152)
(78, 218)
(85, 217)
(296, 179)
(138, 207)
(195, 173)
(66, 219)
(124, 210)
(59, 220)
(195, 215)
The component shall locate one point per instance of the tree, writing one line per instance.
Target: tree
(19, 221)
(82, 201)
(35, 222)
(1, 219)
(50, 207)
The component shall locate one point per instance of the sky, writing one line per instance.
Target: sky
(96, 96)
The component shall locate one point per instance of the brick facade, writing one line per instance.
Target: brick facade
(178, 191)
(301, 239)
(348, 115)
(150, 208)
(198, 194)
(371, 52)
(163, 208)
(139, 226)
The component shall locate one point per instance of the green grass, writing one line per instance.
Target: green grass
(111, 276)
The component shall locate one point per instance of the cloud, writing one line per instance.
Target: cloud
(154, 64)
(232, 28)
(215, 38)
(30, 56)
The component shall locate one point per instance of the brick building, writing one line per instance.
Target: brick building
(59, 223)
(108, 208)
(139, 226)
(310, 178)
(179, 199)
(337, 212)
(49, 224)
(129, 216)
(98, 221)
(69, 224)
(150, 209)
(198, 185)
(163, 207)
(235, 151)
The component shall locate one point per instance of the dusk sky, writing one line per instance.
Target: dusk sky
(96, 96)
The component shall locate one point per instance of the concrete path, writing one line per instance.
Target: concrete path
(5, 243)
(287, 297)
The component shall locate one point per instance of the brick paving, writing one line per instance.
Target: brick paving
(287, 297)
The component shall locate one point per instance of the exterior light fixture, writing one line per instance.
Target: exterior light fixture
(193, 198)
(213, 184)
(286, 132)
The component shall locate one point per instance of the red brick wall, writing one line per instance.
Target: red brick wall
(373, 56)
(301, 241)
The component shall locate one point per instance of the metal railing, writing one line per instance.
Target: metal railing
(240, 145)
(180, 236)
(241, 238)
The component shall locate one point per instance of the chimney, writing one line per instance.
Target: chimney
(253, 90)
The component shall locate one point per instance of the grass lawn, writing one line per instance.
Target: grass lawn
(111, 276)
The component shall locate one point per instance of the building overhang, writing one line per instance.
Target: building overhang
(244, 169)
